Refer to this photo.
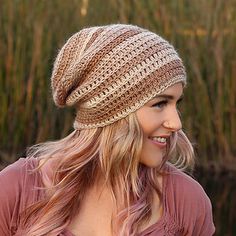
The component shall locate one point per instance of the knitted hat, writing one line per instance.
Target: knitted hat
(111, 71)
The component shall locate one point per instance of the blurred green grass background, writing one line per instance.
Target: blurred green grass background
(202, 31)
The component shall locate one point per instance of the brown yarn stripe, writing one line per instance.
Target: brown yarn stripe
(94, 37)
(64, 59)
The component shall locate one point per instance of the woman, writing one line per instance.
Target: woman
(112, 175)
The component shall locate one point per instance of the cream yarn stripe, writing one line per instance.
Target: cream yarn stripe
(80, 52)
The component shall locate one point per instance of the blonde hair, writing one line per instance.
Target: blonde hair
(86, 156)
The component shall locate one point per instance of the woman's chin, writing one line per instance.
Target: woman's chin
(151, 164)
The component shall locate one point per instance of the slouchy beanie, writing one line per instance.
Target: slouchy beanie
(110, 71)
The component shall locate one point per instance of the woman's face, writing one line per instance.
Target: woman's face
(159, 118)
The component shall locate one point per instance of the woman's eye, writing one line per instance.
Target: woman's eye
(160, 104)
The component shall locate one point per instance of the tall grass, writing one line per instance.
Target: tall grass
(202, 31)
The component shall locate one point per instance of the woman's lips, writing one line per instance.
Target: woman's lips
(158, 144)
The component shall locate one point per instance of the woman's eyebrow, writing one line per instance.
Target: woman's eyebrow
(170, 97)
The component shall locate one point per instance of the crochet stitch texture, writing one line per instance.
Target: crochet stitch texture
(109, 71)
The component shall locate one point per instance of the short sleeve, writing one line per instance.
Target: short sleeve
(10, 191)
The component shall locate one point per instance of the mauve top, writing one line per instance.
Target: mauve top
(186, 211)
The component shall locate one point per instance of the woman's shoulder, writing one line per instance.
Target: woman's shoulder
(13, 173)
(16, 171)
(17, 179)
(15, 193)
(184, 185)
(187, 202)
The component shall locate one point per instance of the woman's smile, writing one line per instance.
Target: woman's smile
(159, 141)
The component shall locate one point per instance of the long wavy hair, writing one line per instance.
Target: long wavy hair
(83, 158)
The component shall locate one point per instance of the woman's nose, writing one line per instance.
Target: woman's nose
(173, 121)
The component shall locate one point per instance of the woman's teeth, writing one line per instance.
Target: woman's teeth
(159, 139)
